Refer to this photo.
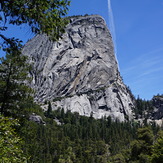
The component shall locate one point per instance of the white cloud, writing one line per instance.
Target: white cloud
(144, 74)
(112, 28)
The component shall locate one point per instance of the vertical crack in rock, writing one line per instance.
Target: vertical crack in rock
(80, 72)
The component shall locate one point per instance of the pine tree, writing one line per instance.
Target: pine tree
(42, 16)
(13, 78)
(49, 111)
(141, 148)
(157, 150)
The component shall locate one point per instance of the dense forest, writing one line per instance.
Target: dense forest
(68, 137)
(60, 137)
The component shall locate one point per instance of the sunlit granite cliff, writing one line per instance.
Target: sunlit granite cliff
(80, 72)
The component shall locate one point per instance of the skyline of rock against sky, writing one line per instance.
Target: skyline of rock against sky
(138, 28)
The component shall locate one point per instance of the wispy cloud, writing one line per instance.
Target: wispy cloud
(151, 71)
(145, 73)
(112, 27)
(111, 21)
(151, 54)
(147, 63)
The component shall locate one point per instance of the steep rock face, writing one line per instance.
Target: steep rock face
(80, 72)
(158, 107)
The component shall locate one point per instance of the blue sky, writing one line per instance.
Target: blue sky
(138, 36)
(137, 28)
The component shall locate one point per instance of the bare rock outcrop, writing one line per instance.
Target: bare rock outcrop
(158, 107)
(80, 72)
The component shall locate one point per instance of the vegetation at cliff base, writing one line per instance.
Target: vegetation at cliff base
(42, 16)
(78, 138)
(64, 137)
(84, 139)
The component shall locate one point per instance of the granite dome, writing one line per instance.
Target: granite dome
(80, 72)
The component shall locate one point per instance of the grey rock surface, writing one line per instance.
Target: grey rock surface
(36, 118)
(80, 72)
(158, 107)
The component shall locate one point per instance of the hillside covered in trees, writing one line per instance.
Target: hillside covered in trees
(69, 137)
(30, 135)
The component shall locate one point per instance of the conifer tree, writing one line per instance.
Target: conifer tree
(141, 148)
(42, 16)
(49, 111)
(13, 75)
(157, 150)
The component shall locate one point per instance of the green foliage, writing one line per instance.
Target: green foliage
(157, 150)
(13, 75)
(84, 139)
(79, 138)
(118, 158)
(49, 111)
(143, 149)
(41, 15)
(10, 143)
(143, 108)
(158, 95)
(145, 134)
(68, 157)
